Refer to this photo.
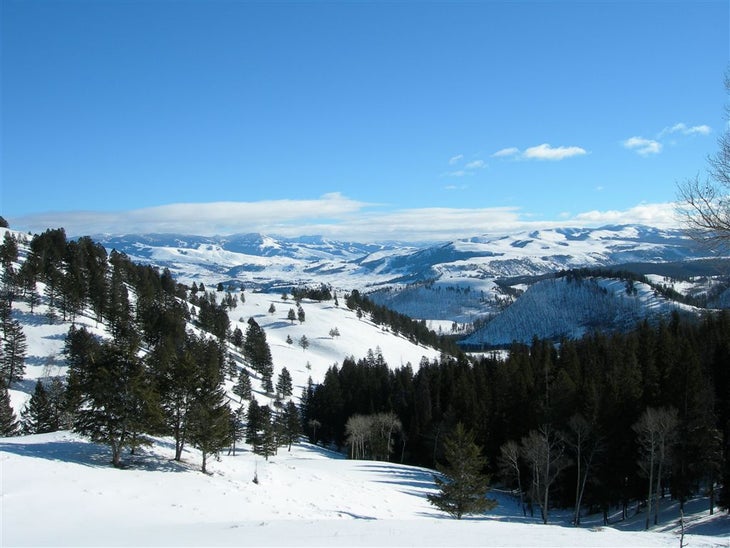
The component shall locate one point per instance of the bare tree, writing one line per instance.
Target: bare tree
(509, 463)
(655, 430)
(584, 444)
(357, 431)
(704, 204)
(544, 451)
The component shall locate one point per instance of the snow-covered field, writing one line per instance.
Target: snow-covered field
(59, 490)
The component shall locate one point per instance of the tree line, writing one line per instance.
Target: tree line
(609, 420)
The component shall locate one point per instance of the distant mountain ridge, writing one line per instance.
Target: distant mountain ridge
(264, 260)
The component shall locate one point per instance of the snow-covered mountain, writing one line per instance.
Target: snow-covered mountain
(267, 261)
(462, 281)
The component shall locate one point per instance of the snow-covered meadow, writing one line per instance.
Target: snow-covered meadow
(59, 490)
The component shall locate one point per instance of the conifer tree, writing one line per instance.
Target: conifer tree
(8, 422)
(291, 315)
(243, 386)
(38, 417)
(255, 348)
(111, 392)
(253, 423)
(284, 383)
(14, 347)
(291, 424)
(462, 486)
(209, 424)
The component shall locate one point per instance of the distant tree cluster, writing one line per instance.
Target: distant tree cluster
(415, 330)
(321, 293)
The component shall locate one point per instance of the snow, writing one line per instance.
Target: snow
(58, 490)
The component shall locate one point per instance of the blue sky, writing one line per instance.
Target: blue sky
(361, 120)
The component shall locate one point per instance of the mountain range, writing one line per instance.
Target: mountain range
(462, 281)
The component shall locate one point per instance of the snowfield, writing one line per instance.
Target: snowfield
(59, 490)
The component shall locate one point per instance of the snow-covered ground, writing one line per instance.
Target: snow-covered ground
(59, 490)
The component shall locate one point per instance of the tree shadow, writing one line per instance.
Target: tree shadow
(92, 455)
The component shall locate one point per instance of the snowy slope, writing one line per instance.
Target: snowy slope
(58, 490)
(557, 308)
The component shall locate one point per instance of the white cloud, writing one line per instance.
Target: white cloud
(476, 164)
(456, 173)
(684, 129)
(643, 146)
(505, 152)
(455, 159)
(544, 151)
(334, 216)
(548, 152)
(659, 215)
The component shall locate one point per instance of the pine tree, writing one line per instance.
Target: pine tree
(12, 359)
(284, 383)
(38, 416)
(112, 394)
(291, 424)
(209, 424)
(253, 423)
(304, 342)
(237, 428)
(291, 315)
(462, 486)
(300, 314)
(272, 308)
(255, 348)
(243, 386)
(8, 422)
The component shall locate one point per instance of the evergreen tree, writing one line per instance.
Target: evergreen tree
(462, 486)
(255, 348)
(304, 342)
(284, 383)
(209, 424)
(266, 439)
(291, 424)
(38, 417)
(272, 308)
(300, 313)
(237, 428)
(291, 315)
(243, 386)
(12, 359)
(112, 394)
(8, 422)
(253, 423)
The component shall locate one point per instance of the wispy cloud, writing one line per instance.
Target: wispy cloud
(334, 216)
(648, 147)
(506, 152)
(684, 129)
(548, 152)
(644, 147)
(467, 169)
(545, 151)
(476, 164)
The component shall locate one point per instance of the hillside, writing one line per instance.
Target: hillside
(59, 490)
(45, 338)
(570, 308)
